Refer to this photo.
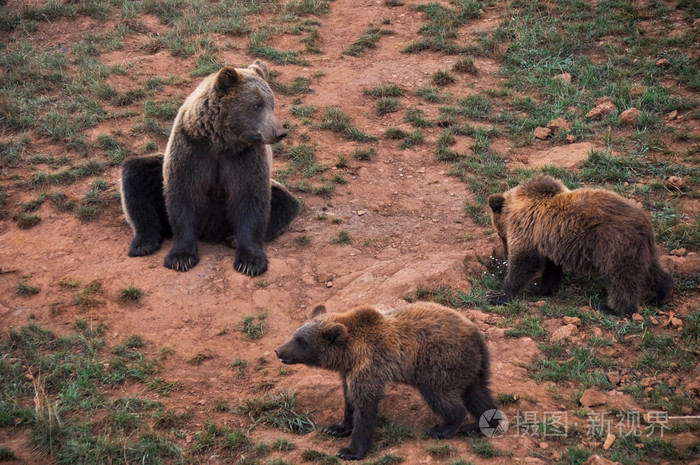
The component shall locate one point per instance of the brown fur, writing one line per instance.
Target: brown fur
(425, 345)
(546, 228)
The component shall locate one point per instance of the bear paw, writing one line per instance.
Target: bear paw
(442, 431)
(140, 247)
(250, 262)
(338, 430)
(348, 454)
(181, 261)
(497, 298)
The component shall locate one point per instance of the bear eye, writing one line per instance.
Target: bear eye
(259, 106)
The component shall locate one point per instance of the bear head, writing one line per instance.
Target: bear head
(320, 342)
(246, 104)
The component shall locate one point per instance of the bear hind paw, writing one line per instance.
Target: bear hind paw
(348, 454)
(140, 247)
(497, 298)
(338, 430)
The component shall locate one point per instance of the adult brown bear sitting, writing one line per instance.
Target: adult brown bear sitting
(213, 183)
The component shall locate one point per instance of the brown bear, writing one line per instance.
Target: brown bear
(425, 345)
(213, 183)
(546, 228)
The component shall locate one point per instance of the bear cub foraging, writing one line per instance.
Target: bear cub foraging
(425, 345)
(546, 228)
(214, 181)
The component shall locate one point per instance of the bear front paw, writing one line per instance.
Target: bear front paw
(348, 454)
(180, 261)
(497, 298)
(338, 430)
(250, 262)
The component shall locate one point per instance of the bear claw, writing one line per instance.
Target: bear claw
(181, 262)
(338, 430)
(497, 298)
(348, 454)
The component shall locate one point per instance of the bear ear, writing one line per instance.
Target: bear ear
(496, 202)
(227, 78)
(261, 68)
(335, 334)
(318, 310)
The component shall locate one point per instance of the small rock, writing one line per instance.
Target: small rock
(646, 382)
(324, 277)
(675, 182)
(662, 63)
(637, 318)
(570, 139)
(564, 77)
(329, 284)
(542, 133)
(543, 445)
(613, 377)
(693, 386)
(596, 332)
(591, 398)
(679, 252)
(361, 212)
(654, 321)
(560, 124)
(602, 110)
(630, 116)
(598, 460)
(572, 320)
(686, 410)
(673, 115)
(676, 322)
(609, 440)
(637, 91)
(602, 100)
(565, 332)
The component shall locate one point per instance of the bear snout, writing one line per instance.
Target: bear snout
(284, 358)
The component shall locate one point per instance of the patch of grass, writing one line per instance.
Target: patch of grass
(412, 139)
(384, 91)
(338, 121)
(364, 154)
(441, 450)
(310, 455)
(440, 30)
(130, 294)
(88, 296)
(395, 133)
(388, 459)
(257, 46)
(443, 78)
(387, 105)
(475, 106)
(430, 94)
(278, 411)
(25, 221)
(299, 85)
(7, 454)
(465, 66)
(23, 288)
(343, 238)
(368, 39)
(416, 117)
(303, 111)
(252, 329)
(483, 448)
(62, 202)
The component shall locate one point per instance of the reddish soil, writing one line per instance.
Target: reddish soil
(404, 214)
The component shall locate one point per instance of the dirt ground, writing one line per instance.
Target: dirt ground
(404, 213)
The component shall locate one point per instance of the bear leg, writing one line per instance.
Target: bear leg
(522, 268)
(624, 290)
(448, 406)
(551, 278)
(478, 400)
(365, 418)
(284, 207)
(344, 429)
(184, 253)
(143, 203)
(661, 283)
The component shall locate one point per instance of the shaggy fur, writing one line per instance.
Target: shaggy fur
(546, 228)
(425, 345)
(214, 181)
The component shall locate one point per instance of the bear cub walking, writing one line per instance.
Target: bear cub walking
(425, 345)
(213, 183)
(546, 228)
